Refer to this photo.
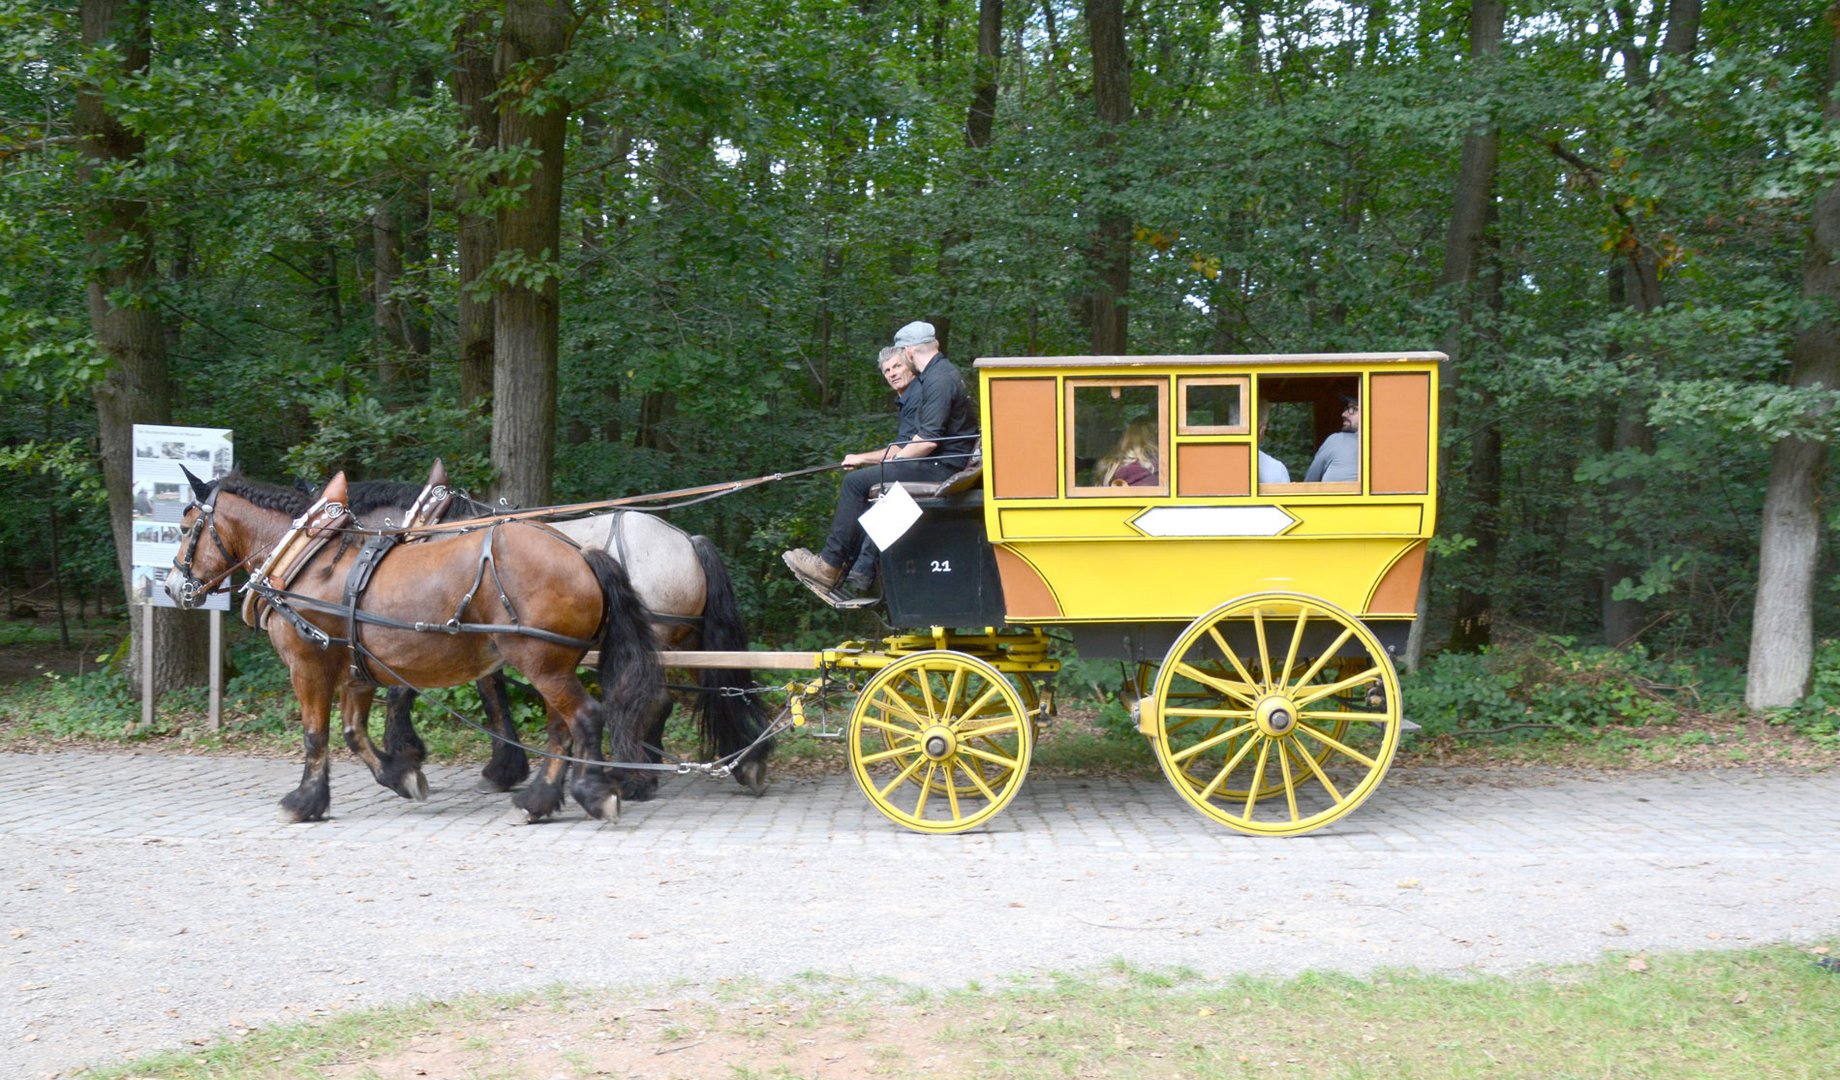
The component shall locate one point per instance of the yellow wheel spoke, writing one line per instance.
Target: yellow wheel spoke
(951, 792)
(1246, 691)
(926, 790)
(926, 696)
(978, 782)
(1012, 722)
(1337, 716)
(1290, 782)
(994, 692)
(957, 687)
(1337, 744)
(990, 749)
(1226, 770)
(1290, 658)
(912, 767)
(1258, 631)
(1322, 777)
(982, 755)
(884, 755)
(1317, 693)
(909, 733)
(1324, 657)
(1258, 778)
(1218, 714)
(893, 702)
(1208, 744)
(1233, 658)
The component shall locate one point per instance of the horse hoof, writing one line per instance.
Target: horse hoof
(489, 787)
(752, 775)
(520, 816)
(609, 810)
(417, 785)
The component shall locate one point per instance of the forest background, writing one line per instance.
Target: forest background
(581, 250)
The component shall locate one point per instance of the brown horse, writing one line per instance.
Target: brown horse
(438, 612)
(689, 600)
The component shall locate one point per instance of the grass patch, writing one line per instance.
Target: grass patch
(1764, 1013)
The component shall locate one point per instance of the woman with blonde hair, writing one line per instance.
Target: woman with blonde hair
(1133, 462)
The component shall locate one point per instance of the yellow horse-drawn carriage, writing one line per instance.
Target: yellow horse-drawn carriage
(1259, 602)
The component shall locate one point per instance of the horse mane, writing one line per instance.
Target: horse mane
(368, 495)
(267, 496)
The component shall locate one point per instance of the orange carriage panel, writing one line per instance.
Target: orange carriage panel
(1025, 594)
(1022, 430)
(1213, 469)
(1397, 593)
(1399, 417)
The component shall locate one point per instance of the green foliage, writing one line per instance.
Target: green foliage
(98, 704)
(359, 435)
(1818, 714)
(1551, 683)
(757, 196)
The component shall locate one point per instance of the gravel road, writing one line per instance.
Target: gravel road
(147, 901)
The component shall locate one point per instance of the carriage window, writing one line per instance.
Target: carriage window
(1117, 437)
(1213, 406)
(1303, 422)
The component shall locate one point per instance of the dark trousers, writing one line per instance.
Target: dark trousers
(845, 542)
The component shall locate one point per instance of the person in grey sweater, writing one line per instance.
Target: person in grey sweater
(1339, 457)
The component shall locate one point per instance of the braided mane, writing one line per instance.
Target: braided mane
(267, 496)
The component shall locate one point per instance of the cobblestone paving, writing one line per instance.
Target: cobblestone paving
(146, 901)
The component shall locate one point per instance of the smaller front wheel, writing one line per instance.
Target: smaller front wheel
(940, 741)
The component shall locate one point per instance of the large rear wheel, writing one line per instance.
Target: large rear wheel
(940, 741)
(1275, 714)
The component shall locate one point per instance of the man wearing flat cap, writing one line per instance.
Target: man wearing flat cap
(944, 437)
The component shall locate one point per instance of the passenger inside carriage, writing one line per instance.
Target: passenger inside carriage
(1339, 458)
(1133, 462)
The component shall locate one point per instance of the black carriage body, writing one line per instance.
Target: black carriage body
(942, 571)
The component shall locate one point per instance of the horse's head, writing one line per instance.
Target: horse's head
(197, 562)
(221, 536)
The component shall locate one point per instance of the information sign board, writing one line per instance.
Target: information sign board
(161, 495)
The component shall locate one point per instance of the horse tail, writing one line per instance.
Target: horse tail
(728, 713)
(631, 680)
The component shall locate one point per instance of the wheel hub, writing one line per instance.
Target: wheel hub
(938, 743)
(1276, 716)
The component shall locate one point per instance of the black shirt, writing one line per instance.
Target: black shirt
(944, 413)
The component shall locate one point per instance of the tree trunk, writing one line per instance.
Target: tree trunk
(1470, 215)
(1111, 246)
(386, 268)
(1782, 622)
(980, 118)
(127, 326)
(473, 84)
(525, 326)
(1625, 619)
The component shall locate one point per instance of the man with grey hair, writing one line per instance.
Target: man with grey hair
(942, 436)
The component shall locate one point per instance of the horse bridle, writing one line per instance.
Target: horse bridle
(191, 590)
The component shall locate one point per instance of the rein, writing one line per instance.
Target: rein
(696, 494)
